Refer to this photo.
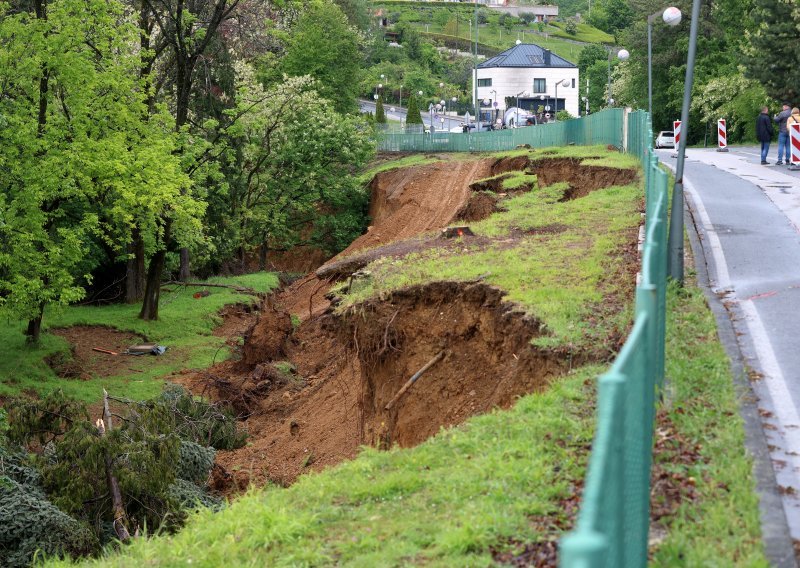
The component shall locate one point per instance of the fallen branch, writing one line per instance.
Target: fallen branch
(120, 518)
(243, 289)
(414, 378)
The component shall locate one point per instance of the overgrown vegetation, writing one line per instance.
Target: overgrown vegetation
(69, 486)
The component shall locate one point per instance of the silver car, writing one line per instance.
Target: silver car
(665, 139)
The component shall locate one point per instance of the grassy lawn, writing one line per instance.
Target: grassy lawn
(585, 33)
(184, 326)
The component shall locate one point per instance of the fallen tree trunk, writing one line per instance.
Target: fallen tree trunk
(104, 426)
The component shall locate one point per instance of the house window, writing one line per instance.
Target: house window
(540, 85)
(573, 83)
(484, 82)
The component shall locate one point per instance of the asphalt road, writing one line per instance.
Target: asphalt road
(748, 220)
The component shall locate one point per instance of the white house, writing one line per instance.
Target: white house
(530, 76)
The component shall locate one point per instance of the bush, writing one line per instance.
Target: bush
(190, 496)
(29, 523)
(195, 462)
(571, 27)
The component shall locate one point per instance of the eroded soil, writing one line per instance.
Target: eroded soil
(311, 395)
(82, 362)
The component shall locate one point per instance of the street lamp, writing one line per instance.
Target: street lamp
(401, 96)
(564, 83)
(516, 120)
(671, 17)
(675, 243)
(622, 55)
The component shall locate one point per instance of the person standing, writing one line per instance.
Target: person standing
(783, 134)
(764, 132)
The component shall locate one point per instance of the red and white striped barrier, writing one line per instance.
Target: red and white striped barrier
(794, 145)
(676, 129)
(722, 136)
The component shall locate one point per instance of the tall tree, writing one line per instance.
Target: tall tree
(413, 115)
(323, 45)
(188, 28)
(380, 114)
(75, 152)
(773, 58)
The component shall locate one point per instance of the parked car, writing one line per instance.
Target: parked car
(665, 139)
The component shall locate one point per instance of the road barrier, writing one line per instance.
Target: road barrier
(794, 146)
(722, 135)
(611, 529)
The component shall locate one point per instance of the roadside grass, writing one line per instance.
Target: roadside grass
(558, 260)
(450, 501)
(721, 527)
(185, 327)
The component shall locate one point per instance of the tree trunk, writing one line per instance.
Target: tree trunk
(117, 507)
(152, 290)
(35, 327)
(185, 273)
(262, 253)
(135, 271)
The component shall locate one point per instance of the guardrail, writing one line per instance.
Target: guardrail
(614, 518)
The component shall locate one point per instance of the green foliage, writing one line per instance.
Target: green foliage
(198, 421)
(296, 159)
(772, 56)
(80, 163)
(31, 527)
(321, 44)
(380, 115)
(611, 15)
(195, 462)
(413, 115)
(571, 27)
(45, 420)
(190, 496)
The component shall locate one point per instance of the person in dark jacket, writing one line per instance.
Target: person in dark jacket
(764, 132)
(783, 133)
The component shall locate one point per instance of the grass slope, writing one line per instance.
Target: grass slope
(561, 277)
(184, 326)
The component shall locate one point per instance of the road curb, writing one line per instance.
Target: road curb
(774, 527)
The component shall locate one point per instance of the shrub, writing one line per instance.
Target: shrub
(195, 462)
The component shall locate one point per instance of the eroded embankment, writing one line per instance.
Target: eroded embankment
(311, 397)
(310, 394)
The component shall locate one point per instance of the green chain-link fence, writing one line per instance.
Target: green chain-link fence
(602, 128)
(613, 520)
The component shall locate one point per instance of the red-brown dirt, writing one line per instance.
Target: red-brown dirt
(310, 397)
(83, 362)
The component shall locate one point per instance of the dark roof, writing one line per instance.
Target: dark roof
(526, 55)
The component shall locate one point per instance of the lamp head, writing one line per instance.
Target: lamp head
(623, 55)
(672, 16)
(519, 42)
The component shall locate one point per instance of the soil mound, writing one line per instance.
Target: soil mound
(582, 179)
(346, 368)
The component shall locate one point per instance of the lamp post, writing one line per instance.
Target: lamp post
(564, 83)
(675, 245)
(671, 17)
(622, 55)
(401, 96)
(516, 120)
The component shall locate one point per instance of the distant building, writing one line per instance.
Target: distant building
(530, 75)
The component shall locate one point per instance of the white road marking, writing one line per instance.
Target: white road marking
(773, 390)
